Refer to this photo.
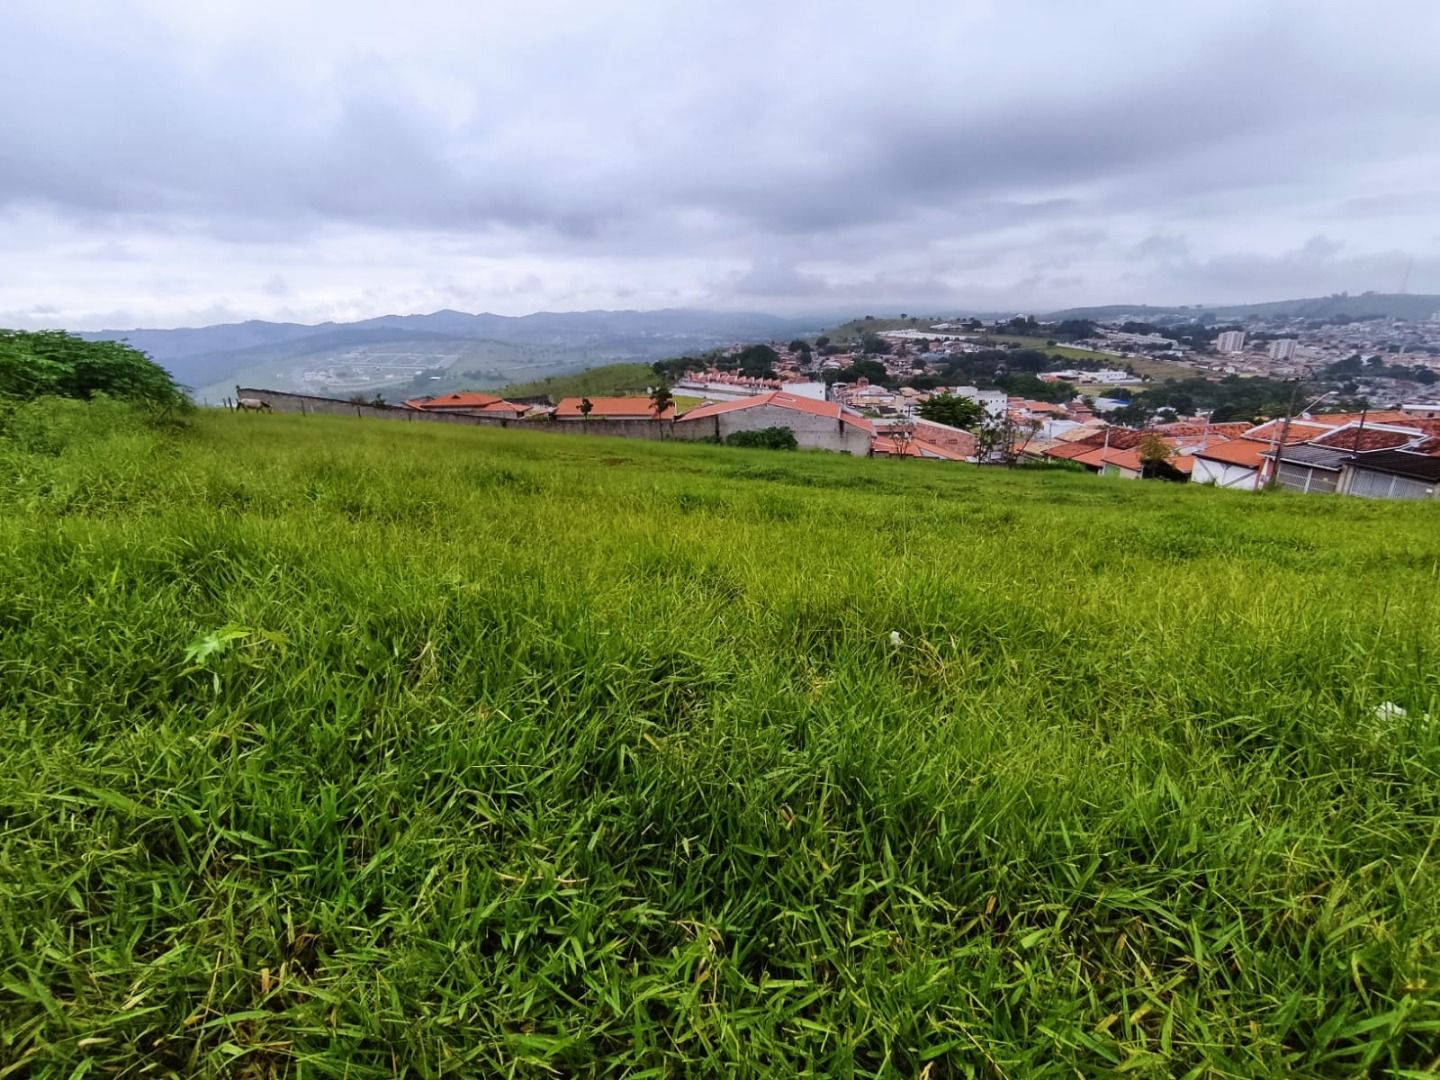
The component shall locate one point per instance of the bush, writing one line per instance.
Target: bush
(51, 363)
(770, 438)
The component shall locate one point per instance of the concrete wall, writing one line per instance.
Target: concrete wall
(280, 401)
(811, 432)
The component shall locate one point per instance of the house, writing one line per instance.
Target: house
(818, 425)
(470, 403)
(1108, 461)
(1318, 466)
(926, 438)
(916, 447)
(1234, 464)
(567, 410)
(1309, 468)
(1395, 474)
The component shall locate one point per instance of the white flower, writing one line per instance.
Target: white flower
(894, 639)
(1389, 711)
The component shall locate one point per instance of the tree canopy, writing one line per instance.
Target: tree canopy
(951, 409)
(56, 364)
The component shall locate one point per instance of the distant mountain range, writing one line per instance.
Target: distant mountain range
(396, 355)
(404, 355)
(1387, 305)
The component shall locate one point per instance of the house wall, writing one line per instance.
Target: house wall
(1375, 485)
(1221, 474)
(811, 432)
(1294, 476)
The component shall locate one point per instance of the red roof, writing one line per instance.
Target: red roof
(1379, 416)
(1099, 457)
(1069, 450)
(1117, 438)
(612, 408)
(1242, 452)
(781, 400)
(1300, 430)
(916, 448)
(1365, 439)
(464, 399)
(1199, 427)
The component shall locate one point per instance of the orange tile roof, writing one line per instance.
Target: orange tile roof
(1069, 450)
(1117, 438)
(1243, 452)
(464, 399)
(1199, 427)
(503, 407)
(1379, 416)
(611, 408)
(783, 400)
(1099, 457)
(932, 450)
(1363, 439)
(1300, 430)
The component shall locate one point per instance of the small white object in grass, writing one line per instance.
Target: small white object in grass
(1389, 711)
(895, 639)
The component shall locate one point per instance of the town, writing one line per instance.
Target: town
(1320, 406)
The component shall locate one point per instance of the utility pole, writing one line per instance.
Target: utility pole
(1284, 433)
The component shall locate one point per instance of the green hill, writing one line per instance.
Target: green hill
(353, 748)
(616, 379)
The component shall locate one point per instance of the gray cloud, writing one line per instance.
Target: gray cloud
(320, 158)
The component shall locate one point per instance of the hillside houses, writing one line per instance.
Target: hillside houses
(470, 403)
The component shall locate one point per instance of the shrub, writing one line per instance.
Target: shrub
(770, 438)
(51, 363)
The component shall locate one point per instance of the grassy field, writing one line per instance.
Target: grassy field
(758, 764)
(606, 380)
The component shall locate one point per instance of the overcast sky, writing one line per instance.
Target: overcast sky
(171, 162)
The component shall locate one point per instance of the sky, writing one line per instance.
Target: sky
(184, 162)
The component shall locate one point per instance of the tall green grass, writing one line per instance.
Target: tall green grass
(356, 750)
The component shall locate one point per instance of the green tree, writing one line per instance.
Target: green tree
(871, 370)
(661, 399)
(800, 345)
(822, 341)
(951, 409)
(1153, 452)
(874, 345)
(51, 362)
(586, 408)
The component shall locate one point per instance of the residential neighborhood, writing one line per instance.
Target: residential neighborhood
(1222, 414)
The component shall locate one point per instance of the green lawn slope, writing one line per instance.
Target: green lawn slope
(344, 748)
(605, 380)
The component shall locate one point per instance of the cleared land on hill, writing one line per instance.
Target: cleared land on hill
(1158, 370)
(353, 749)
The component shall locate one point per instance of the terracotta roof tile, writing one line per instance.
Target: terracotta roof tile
(1362, 440)
(1242, 452)
(611, 408)
(464, 399)
(783, 400)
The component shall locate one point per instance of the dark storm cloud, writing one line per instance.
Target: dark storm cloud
(820, 151)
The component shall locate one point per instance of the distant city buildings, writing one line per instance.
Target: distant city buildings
(1282, 349)
(1231, 341)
